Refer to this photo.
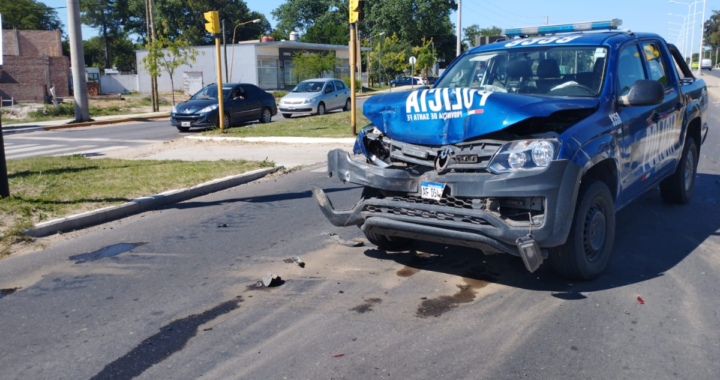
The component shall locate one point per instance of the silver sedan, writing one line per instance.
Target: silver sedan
(316, 96)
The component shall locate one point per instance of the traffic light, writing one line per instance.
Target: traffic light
(213, 22)
(357, 13)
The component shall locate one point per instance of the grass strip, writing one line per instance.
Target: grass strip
(335, 124)
(43, 188)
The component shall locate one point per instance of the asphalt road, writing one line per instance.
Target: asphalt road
(180, 304)
(96, 141)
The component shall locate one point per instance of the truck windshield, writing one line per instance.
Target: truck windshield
(576, 71)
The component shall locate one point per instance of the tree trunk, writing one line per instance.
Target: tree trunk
(107, 51)
(172, 87)
(155, 97)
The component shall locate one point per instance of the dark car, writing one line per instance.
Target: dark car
(242, 102)
(406, 81)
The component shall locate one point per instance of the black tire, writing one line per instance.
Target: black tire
(265, 115)
(227, 121)
(321, 109)
(287, 115)
(183, 129)
(347, 105)
(588, 248)
(383, 242)
(678, 188)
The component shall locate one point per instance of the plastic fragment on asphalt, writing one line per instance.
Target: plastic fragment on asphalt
(298, 261)
(224, 225)
(338, 355)
(642, 301)
(271, 280)
(347, 243)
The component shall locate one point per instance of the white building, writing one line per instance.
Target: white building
(265, 64)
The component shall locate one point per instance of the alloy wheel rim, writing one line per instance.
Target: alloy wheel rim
(266, 115)
(321, 109)
(689, 169)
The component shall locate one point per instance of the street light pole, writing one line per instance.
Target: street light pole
(459, 30)
(232, 60)
(225, 51)
(702, 39)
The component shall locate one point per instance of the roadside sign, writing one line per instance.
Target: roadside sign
(412, 72)
(412, 60)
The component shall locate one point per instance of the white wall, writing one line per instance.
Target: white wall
(245, 68)
(118, 84)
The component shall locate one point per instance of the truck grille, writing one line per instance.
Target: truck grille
(447, 209)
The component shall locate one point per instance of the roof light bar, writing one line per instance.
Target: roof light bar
(563, 28)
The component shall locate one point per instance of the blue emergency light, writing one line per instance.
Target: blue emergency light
(563, 28)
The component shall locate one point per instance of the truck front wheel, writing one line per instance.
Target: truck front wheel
(586, 253)
(388, 243)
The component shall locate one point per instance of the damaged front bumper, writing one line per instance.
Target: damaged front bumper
(478, 209)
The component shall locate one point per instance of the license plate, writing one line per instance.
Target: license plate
(185, 124)
(291, 108)
(432, 190)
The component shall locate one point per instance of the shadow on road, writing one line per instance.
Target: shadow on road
(651, 238)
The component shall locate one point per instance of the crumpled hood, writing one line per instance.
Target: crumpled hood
(451, 115)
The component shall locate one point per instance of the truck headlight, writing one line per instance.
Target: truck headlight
(524, 155)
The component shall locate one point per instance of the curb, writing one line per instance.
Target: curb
(136, 206)
(104, 122)
(279, 139)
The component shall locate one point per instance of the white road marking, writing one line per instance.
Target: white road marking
(91, 151)
(48, 152)
(97, 139)
(28, 147)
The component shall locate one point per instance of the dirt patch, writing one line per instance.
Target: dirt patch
(366, 306)
(436, 307)
(407, 271)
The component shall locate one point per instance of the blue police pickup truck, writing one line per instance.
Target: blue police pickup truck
(534, 157)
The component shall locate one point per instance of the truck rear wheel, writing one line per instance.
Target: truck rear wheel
(388, 243)
(587, 251)
(679, 186)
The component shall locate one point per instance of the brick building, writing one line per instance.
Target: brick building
(32, 63)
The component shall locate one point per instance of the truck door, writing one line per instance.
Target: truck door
(647, 131)
(664, 145)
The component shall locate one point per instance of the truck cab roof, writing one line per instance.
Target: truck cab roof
(611, 38)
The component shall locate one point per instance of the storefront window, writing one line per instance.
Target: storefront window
(267, 74)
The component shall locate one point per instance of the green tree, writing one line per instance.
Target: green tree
(122, 53)
(184, 19)
(313, 65)
(474, 30)
(424, 57)
(165, 54)
(29, 14)
(392, 55)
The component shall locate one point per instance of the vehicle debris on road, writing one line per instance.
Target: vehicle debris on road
(271, 280)
(347, 243)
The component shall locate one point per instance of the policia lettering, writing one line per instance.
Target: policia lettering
(660, 141)
(436, 104)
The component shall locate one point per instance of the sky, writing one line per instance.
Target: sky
(652, 16)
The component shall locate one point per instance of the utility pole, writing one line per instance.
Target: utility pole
(77, 57)
(459, 30)
(692, 40)
(702, 40)
(225, 51)
(546, 20)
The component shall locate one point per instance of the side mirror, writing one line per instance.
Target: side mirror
(643, 92)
